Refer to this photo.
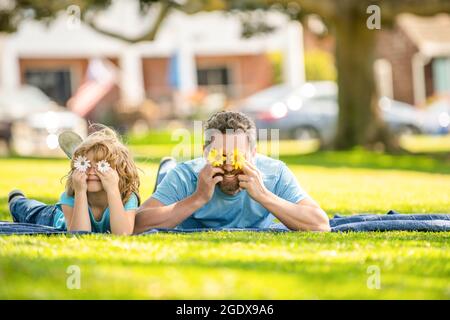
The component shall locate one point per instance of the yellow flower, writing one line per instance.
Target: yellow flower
(238, 160)
(215, 157)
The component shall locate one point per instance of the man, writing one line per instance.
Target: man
(196, 194)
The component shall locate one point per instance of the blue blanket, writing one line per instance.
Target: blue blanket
(391, 221)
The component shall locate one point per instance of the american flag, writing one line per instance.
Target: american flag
(101, 76)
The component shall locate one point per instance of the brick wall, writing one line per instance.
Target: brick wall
(249, 74)
(395, 46)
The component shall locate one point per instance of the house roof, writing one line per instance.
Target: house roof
(431, 35)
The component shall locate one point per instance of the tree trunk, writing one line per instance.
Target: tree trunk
(359, 121)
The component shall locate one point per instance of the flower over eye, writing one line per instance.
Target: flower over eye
(82, 164)
(238, 160)
(216, 157)
(103, 166)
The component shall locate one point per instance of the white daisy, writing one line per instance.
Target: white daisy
(82, 163)
(103, 166)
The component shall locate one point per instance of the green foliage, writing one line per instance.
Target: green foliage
(276, 59)
(319, 65)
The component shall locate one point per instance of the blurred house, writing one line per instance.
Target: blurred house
(192, 53)
(414, 58)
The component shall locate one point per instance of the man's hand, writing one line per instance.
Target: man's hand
(110, 180)
(79, 180)
(252, 181)
(207, 182)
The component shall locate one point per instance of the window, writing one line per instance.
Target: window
(441, 75)
(216, 79)
(55, 83)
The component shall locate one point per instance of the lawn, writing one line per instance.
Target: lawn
(246, 265)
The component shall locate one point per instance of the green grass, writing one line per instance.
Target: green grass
(245, 265)
(228, 265)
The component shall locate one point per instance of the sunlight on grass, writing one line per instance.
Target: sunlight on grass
(242, 265)
(227, 265)
(425, 143)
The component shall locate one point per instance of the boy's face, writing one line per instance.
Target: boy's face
(94, 184)
(228, 143)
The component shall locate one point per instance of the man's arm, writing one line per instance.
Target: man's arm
(154, 214)
(306, 215)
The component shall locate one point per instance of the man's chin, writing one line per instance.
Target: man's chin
(230, 190)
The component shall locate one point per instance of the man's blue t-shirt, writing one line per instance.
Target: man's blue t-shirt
(102, 225)
(229, 211)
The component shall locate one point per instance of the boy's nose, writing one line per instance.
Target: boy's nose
(91, 169)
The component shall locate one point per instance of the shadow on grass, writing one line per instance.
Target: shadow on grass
(358, 158)
(371, 160)
(317, 267)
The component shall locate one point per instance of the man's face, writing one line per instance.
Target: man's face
(228, 143)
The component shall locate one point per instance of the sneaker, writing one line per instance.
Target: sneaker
(68, 142)
(166, 164)
(14, 194)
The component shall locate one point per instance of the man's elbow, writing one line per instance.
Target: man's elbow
(323, 227)
(323, 223)
(320, 222)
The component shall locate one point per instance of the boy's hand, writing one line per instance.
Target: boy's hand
(79, 181)
(110, 180)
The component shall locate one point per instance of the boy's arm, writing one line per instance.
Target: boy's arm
(77, 218)
(121, 220)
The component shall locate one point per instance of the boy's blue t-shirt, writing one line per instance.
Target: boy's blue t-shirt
(101, 226)
(229, 211)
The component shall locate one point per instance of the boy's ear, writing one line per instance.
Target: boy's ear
(68, 142)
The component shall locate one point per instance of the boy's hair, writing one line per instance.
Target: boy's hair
(106, 145)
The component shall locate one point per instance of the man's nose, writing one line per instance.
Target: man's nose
(228, 167)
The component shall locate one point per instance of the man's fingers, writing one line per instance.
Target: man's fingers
(243, 184)
(208, 167)
(217, 170)
(244, 178)
(248, 170)
(250, 165)
(217, 179)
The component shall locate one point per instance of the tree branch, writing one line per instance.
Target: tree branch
(151, 33)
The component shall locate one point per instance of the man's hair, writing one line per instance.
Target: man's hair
(226, 121)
